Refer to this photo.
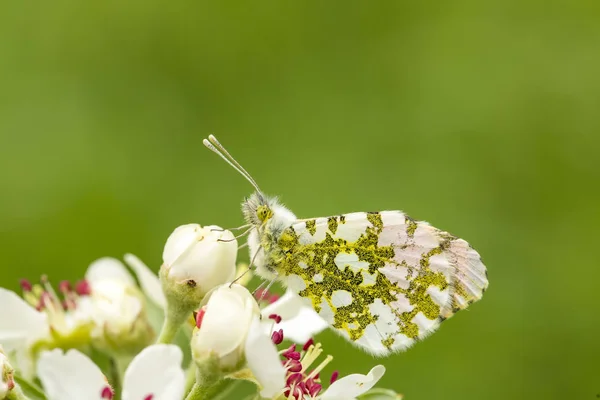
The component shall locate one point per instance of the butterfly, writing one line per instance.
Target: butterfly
(382, 280)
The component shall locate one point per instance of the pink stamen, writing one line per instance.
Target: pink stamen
(296, 394)
(25, 285)
(45, 300)
(307, 345)
(277, 336)
(334, 377)
(294, 378)
(200, 317)
(314, 389)
(291, 353)
(294, 366)
(83, 288)
(275, 317)
(302, 387)
(107, 393)
(64, 286)
(149, 397)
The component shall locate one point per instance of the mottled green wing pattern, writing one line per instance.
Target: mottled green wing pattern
(382, 280)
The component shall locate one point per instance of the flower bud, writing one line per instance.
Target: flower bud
(119, 309)
(196, 260)
(7, 382)
(222, 326)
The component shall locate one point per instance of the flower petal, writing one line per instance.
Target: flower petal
(264, 362)
(148, 280)
(351, 386)
(70, 376)
(298, 320)
(19, 321)
(108, 268)
(155, 371)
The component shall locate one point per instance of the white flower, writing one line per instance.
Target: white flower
(6, 375)
(298, 377)
(118, 308)
(154, 373)
(222, 327)
(202, 255)
(43, 320)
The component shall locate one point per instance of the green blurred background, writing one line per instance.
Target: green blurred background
(480, 117)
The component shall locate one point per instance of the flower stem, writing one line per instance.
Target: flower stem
(175, 316)
(190, 377)
(207, 391)
(209, 382)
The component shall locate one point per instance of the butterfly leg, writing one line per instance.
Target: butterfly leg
(265, 291)
(249, 267)
(231, 229)
(247, 231)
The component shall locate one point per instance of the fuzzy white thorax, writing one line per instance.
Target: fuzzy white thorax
(281, 219)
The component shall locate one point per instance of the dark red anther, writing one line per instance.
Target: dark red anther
(294, 378)
(275, 318)
(107, 393)
(307, 345)
(297, 394)
(334, 377)
(64, 286)
(294, 366)
(83, 288)
(200, 317)
(301, 386)
(25, 285)
(314, 389)
(149, 397)
(291, 353)
(277, 336)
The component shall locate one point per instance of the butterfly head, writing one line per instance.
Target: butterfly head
(261, 211)
(256, 209)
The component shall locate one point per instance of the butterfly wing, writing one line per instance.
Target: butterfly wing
(382, 280)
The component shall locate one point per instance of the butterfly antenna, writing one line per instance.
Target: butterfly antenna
(213, 144)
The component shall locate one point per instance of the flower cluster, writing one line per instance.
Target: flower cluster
(192, 331)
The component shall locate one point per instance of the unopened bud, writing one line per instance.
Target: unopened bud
(225, 320)
(196, 260)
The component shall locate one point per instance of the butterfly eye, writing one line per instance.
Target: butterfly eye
(263, 213)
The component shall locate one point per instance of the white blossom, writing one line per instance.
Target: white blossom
(298, 377)
(119, 311)
(43, 320)
(6, 375)
(154, 373)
